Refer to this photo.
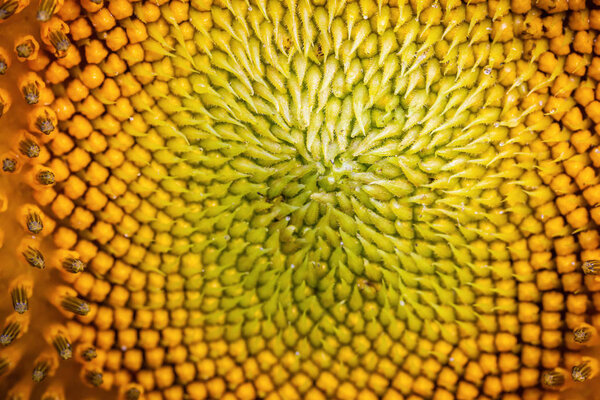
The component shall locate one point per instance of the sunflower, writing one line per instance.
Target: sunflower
(300, 199)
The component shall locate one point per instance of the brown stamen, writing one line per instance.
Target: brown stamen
(73, 265)
(40, 371)
(61, 43)
(581, 372)
(29, 148)
(63, 346)
(46, 177)
(25, 49)
(10, 333)
(19, 299)
(8, 8)
(591, 267)
(75, 305)
(553, 379)
(89, 354)
(46, 9)
(9, 165)
(582, 335)
(94, 378)
(3, 66)
(34, 223)
(34, 258)
(45, 124)
(31, 93)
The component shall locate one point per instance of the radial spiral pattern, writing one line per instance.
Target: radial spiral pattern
(303, 199)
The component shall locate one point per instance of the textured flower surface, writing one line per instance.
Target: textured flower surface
(299, 199)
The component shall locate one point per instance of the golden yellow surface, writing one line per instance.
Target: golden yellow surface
(306, 199)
